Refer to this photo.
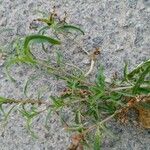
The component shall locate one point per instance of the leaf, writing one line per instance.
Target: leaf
(97, 140)
(29, 128)
(78, 117)
(28, 82)
(2, 100)
(43, 29)
(16, 60)
(141, 79)
(115, 96)
(5, 114)
(2, 109)
(8, 113)
(76, 127)
(47, 117)
(124, 93)
(44, 49)
(59, 58)
(29, 115)
(100, 79)
(39, 39)
(8, 65)
(138, 69)
(58, 102)
(44, 20)
(145, 91)
(126, 71)
(70, 27)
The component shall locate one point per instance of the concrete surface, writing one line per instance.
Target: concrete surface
(121, 28)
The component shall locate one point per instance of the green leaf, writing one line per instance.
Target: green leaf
(59, 58)
(38, 39)
(8, 64)
(28, 82)
(29, 115)
(124, 93)
(100, 79)
(47, 117)
(2, 100)
(97, 140)
(141, 79)
(126, 71)
(16, 60)
(66, 27)
(138, 69)
(43, 29)
(115, 96)
(29, 128)
(58, 102)
(145, 91)
(8, 113)
(78, 117)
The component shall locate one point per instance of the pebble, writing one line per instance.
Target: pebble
(86, 61)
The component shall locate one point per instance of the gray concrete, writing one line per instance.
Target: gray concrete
(121, 28)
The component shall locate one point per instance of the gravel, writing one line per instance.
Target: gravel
(121, 28)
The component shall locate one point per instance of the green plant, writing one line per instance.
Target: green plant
(89, 102)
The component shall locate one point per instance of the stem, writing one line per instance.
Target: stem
(121, 88)
(69, 64)
(125, 87)
(28, 101)
(91, 68)
(57, 71)
(102, 122)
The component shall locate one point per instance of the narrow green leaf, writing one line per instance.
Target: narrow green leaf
(29, 128)
(124, 93)
(78, 117)
(39, 39)
(141, 79)
(59, 58)
(2, 100)
(1, 108)
(143, 91)
(100, 79)
(8, 64)
(8, 113)
(138, 69)
(16, 60)
(97, 140)
(28, 82)
(47, 117)
(71, 27)
(58, 102)
(43, 29)
(126, 71)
